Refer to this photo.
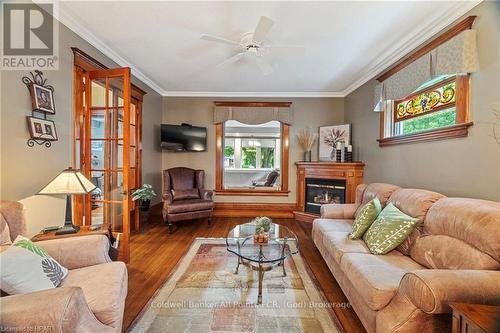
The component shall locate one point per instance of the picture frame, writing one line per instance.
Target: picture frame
(329, 136)
(42, 129)
(42, 98)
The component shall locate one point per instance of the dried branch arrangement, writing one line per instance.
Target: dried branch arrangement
(306, 139)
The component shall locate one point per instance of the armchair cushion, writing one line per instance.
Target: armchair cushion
(431, 290)
(26, 268)
(192, 193)
(68, 251)
(182, 206)
(105, 289)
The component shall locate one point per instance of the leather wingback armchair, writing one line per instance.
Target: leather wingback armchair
(184, 196)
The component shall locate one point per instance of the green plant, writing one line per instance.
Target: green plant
(429, 121)
(145, 193)
(249, 157)
(228, 151)
(267, 157)
(262, 224)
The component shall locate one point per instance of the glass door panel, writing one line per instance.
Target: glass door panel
(109, 151)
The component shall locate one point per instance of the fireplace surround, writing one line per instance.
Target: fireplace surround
(328, 183)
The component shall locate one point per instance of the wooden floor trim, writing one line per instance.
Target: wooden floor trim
(246, 209)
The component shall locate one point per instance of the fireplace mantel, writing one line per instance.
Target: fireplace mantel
(352, 173)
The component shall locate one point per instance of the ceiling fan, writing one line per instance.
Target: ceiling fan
(254, 46)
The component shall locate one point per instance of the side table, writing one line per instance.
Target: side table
(84, 231)
(475, 318)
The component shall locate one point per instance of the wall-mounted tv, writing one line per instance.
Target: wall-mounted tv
(183, 137)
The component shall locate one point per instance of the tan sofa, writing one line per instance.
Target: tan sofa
(90, 299)
(453, 256)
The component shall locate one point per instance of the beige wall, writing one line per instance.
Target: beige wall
(467, 167)
(312, 112)
(24, 170)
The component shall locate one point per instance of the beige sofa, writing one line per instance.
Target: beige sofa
(90, 299)
(453, 256)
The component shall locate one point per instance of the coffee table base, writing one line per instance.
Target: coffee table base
(261, 269)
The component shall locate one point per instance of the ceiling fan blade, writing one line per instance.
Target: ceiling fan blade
(263, 65)
(265, 24)
(286, 49)
(218, 39)
(232, 60)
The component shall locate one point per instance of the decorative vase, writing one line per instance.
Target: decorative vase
(144, 205)
(261, 238)
(333, 154)
(307, 156)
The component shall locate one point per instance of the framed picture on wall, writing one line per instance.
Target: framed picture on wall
(329, 136)
(42, 129)
(42, 99)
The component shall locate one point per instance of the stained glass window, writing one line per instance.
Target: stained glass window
(437, 98)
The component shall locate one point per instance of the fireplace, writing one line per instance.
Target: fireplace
(323, 191)
(325, 182)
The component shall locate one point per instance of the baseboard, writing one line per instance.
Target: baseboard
(245, 209)
(305, 217)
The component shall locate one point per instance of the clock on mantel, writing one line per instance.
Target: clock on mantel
(320, 183)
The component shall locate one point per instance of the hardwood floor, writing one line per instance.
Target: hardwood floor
(154, 254)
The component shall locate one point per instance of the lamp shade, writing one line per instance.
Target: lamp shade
(69, 181)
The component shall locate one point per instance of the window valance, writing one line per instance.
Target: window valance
(457, 55)
(253, 115)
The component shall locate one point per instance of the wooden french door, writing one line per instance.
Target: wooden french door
(110, 151)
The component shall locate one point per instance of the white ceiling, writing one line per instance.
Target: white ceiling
(347, 43)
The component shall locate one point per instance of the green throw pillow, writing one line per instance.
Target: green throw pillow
(366, 216)
(389, 230)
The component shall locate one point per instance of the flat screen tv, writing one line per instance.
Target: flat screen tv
(183, 137)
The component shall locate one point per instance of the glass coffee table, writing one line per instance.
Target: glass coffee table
(262, 257)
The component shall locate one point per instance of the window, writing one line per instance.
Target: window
(432, 107)
(252, 155)
(438, 109)
(252, 158)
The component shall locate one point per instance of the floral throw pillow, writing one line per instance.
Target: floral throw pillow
(26, 267)
(389, 230)
(366, 216)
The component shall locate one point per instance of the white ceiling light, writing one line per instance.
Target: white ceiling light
(254, 46)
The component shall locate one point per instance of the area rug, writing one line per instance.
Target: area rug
(203, 294)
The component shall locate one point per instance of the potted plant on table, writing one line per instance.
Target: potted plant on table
(144, 195)
(262, 226)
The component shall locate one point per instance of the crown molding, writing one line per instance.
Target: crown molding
(400, 50)
(389, 58)
(252, 94)
(70, 22)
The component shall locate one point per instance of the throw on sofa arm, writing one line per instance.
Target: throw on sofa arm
(338, 211)
(53, 310)
(433, 289)
(77, 252)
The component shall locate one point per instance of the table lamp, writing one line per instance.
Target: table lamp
(70, 182)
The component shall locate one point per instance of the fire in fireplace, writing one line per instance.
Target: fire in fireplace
(323, 191)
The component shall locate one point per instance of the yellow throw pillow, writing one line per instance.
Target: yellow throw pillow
(366, 216)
